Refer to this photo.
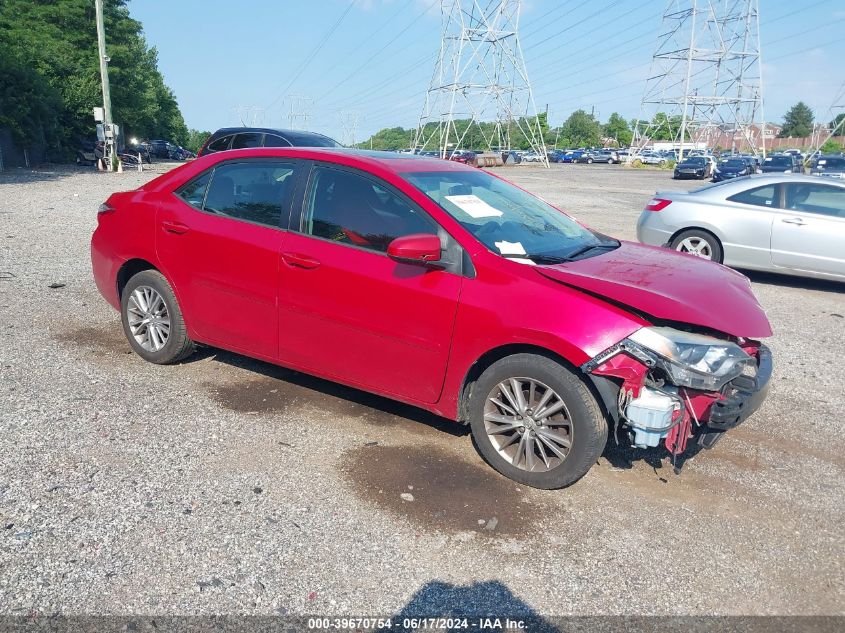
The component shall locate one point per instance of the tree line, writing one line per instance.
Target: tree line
(583, 129)
(50, 76)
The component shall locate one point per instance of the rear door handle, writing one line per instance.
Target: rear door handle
(300, 261)
(797, 221)
(175, 227)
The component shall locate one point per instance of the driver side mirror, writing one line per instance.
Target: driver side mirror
(420, 248)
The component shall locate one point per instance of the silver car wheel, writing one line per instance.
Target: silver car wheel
(695, 246)
(148, 319)
(529, 424)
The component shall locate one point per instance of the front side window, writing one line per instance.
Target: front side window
(247, 139)
(759, 196)
(219, 145)
(348, 208)
(506, 219)
(813, 198)
(254, 191)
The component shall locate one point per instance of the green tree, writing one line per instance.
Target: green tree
(830, 147)
(837, 124)
(798, 121)
(196, 139)
(28, 104)
(58, 40)
(617, 128)
(580, 130)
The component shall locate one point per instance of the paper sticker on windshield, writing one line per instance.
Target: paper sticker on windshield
(514, 248)
(474, 206)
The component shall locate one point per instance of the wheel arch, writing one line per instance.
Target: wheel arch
(494, 355)
(130, 268)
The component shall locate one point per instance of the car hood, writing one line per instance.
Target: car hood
(669, 285)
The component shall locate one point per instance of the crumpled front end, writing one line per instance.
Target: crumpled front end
(663, 384)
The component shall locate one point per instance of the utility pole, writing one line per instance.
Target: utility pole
(108, 134)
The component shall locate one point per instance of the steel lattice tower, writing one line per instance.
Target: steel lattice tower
(706, 76)
(480, 76)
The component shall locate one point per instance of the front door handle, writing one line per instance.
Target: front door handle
(300, 261)
(797, 221)
(175, 227)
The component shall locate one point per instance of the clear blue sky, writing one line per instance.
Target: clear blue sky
(379, 58)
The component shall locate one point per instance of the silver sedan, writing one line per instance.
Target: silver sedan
(787, 224)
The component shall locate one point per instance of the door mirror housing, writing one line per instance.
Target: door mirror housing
(420, 248)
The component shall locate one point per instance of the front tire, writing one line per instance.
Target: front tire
(699, 243)
(152, 319)
(536, 422)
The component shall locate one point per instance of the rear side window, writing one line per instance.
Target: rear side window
(219, 145)
(246, 139)
(274, 140)
(759, 196)
(194, 192)
(254, 191)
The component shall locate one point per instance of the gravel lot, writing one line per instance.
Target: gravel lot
(225, 485)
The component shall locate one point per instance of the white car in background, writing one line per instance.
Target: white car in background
(650, 158)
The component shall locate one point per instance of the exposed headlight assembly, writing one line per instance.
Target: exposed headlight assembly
(693, 360)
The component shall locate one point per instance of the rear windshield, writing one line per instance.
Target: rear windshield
(778, 160)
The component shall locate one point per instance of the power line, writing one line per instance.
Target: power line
(313, 54)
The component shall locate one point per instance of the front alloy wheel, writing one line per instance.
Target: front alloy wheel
(528, 424)
(535, 421)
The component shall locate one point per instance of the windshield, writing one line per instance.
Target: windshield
(733, 164)
(506, 219)
(696, 160)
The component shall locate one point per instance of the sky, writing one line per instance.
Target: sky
(366, 64)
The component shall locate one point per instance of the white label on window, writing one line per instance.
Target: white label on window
(514, 248)
(474, 206)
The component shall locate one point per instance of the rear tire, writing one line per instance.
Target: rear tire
(700, 243)
(536, 454)
(152, 319)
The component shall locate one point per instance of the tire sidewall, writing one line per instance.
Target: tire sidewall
(172, 350)
(589, 425)
(715, 247)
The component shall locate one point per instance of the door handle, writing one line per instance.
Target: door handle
(300, 261)
(797, 221)
(175, 227)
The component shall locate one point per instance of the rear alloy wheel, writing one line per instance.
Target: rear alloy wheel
(152, 320)
(699, 243)
(536, 422)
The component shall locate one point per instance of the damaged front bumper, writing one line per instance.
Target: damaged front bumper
(652, 409)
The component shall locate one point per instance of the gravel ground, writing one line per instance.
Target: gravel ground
(225, 485)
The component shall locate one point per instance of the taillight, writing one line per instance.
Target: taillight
(657, 204)
(105, 208)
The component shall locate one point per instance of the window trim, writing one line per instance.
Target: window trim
(290, 196)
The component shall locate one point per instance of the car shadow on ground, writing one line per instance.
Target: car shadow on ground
(623, 455)
(478, 602)
(791, 281)
(318, 389)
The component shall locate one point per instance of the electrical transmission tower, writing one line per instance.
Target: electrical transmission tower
(248, 115)
(299, 110)
(837, 128)
(479, 92)
(705, 81)
(349, 120)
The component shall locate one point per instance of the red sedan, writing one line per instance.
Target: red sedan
(442, 286)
